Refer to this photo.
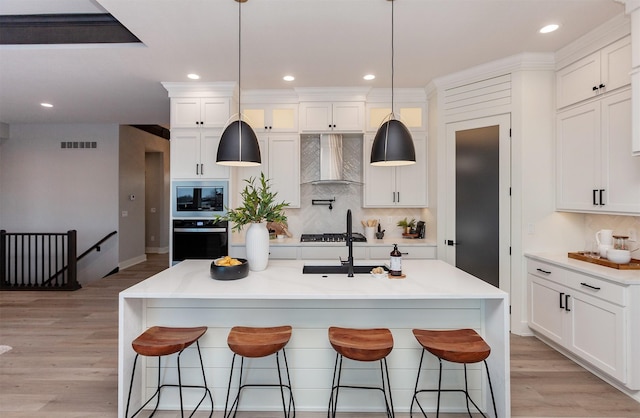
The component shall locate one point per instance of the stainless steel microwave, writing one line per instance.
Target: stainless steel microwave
(199, 199)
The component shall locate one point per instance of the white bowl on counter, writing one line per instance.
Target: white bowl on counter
(619, 256)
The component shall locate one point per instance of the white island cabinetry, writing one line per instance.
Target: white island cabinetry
(433, 295)
(589, 313)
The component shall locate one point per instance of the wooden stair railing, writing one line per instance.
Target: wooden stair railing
(41, 261)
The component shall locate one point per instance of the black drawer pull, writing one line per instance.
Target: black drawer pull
(544, 271)
(561, 297)
(566, 303)
(589, 286)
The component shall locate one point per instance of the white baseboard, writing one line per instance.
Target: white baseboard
(156, 250)
(132, 262)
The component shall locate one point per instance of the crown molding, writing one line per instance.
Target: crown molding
(201, 89)
(598, 38)
(526, 61)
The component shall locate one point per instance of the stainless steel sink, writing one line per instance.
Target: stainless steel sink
(338, 269)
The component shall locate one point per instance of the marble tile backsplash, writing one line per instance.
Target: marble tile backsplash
(313, 219)
(619, 224)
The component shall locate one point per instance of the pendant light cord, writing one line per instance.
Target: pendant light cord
(239, 57)
(392, 56)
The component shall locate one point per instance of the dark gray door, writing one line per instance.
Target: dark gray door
(478, 202)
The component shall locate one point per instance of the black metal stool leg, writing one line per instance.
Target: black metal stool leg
(333, 400)
(292, 404)
(390, 410)
(416, 391)
(493, 399)
(439, 388)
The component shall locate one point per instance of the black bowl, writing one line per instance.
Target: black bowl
(230, 272)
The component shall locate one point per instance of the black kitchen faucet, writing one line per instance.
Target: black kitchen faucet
(349, 241)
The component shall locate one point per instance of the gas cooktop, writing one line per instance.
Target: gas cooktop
(357, 237)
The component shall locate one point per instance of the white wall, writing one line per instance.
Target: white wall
(45, 188)
(134, 144)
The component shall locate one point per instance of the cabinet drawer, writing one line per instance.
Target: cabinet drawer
(331, 253)
(408, 252)
(283, 253)
(548, 271)
(596, 287)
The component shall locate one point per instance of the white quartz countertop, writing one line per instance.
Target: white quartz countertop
(283, 279)
(625, 277)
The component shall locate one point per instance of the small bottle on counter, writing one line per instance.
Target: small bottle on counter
(395, 266)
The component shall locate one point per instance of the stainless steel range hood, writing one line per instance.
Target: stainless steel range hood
(331, 161)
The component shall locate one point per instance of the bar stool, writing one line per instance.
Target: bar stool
(463, 346)
(251, 342)
(163, 341)
(373, 344)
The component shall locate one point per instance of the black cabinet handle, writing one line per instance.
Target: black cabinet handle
(398, 197)
(595, 193)
(561, 299)
(450, 242)
(566, 303)
(589, 286)
(601, 86)
(595, 88)
(197, 168)
(201, 169)
(601, 198)
(544, 271)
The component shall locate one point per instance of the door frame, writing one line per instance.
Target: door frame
(504, 123)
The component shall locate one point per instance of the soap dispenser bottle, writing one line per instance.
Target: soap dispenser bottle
(395, 265)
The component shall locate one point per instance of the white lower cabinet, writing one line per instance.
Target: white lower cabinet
(583, 314)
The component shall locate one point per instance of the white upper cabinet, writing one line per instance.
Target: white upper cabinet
(603, 71)
(280, 164)
(595, 169)
(193, 112)
(272, 118)
(331, 117)
(194, 152)
(397, 187)
(413, 115)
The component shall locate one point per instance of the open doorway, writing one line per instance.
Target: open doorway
(156, 225)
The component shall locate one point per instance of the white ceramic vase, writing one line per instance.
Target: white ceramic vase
(257, 246)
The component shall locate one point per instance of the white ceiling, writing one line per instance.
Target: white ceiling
(321, 42)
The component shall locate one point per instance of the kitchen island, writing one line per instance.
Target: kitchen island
(433, 295)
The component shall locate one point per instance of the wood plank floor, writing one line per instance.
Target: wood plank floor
(64, 361)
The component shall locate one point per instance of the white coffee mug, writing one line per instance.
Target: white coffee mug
(604, 236)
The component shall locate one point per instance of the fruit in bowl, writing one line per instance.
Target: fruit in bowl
(379, 272)
(228, 268)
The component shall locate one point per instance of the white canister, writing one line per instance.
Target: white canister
(369, 233)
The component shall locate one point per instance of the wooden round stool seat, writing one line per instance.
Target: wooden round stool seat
(456, 346)
(162, 341)
(369, 344)
(258, 342)
(255, 342)
(361, 344)
(464, 346)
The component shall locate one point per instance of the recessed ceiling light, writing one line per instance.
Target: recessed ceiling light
(549, 28)
(193, 76)
(288, 78)
(369, 77)
(46, 105)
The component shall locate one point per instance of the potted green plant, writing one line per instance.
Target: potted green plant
(258, 207)
(407, 226)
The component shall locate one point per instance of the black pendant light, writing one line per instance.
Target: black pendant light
(392, 145)
(239, 143)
